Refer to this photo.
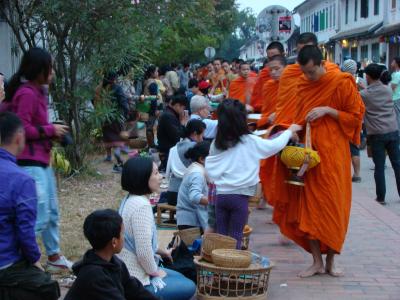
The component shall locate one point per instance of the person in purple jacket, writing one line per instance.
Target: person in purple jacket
(26, 96)
(21, 274)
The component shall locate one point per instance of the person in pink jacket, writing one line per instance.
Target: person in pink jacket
(26, 96)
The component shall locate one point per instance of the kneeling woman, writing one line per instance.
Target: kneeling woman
(191, 210)
(140, 178)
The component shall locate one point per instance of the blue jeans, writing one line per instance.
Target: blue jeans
(178, 287)
(380, 143)
(47, 221)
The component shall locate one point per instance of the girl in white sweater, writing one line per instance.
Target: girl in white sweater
(140, 178)
(233, 165)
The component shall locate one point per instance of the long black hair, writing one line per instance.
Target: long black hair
(377, 71)
(232, 124)
(35, 62)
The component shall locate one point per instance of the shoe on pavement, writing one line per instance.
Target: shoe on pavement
(382, 202)
(108, 159)
(356, 179)
(117, 169)
(60, 265)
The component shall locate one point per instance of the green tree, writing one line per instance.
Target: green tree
(89, 37)
(244, 29)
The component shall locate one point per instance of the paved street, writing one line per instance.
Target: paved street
(368, 183)
(370, 257)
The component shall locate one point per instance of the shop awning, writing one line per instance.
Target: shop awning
(388, 29)
(357, 32)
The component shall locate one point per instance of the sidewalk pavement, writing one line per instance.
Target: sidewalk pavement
(370, 256)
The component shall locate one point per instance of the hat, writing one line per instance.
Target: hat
(203, 85)
(349, 66)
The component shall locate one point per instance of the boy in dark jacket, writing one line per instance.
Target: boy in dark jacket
(100, 274)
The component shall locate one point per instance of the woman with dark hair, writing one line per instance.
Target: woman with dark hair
(26, 96)
(177, 162)
(191, 210)
(233, 165)
(382, 127)
(140, 178)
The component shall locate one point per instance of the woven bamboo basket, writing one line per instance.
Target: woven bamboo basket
(231, 258)
(138, 143)
(212, 241)
(218, 283)
(188, 236)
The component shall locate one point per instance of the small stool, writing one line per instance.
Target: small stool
(165, 207)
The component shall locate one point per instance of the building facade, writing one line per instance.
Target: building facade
(321, 18)
(364, 30)
(357, 38)
(389, 33)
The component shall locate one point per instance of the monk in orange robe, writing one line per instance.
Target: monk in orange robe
(276, 65)
(217, 78)
(285, 111)
(242, 87)
(256, 101)
(316, 216)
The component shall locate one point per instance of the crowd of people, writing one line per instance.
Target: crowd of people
(196, 118)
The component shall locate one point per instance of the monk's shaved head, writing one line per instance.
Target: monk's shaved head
(309, 53)
(310, 60)
(306, 38)
(275, 48)
(244, 69)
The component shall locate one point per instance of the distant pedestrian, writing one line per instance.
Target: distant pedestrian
(184, 76)
(350, 66)
(382, 127)
(173, 78)
(395, 84)
(112, 129)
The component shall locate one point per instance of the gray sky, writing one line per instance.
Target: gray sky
(258, 5)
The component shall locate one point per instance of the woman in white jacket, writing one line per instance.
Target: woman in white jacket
(177, 163)
(233, 165)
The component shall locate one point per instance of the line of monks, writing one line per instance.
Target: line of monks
(315, 216)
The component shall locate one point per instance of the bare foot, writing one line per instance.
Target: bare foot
(315, 269)
(333, 271)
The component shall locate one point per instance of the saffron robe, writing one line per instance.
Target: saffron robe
(269, 95)
(285, 110)
(321, 209)
(241, 88)
(256, 100)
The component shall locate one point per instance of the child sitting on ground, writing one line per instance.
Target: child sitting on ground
(100, 274)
